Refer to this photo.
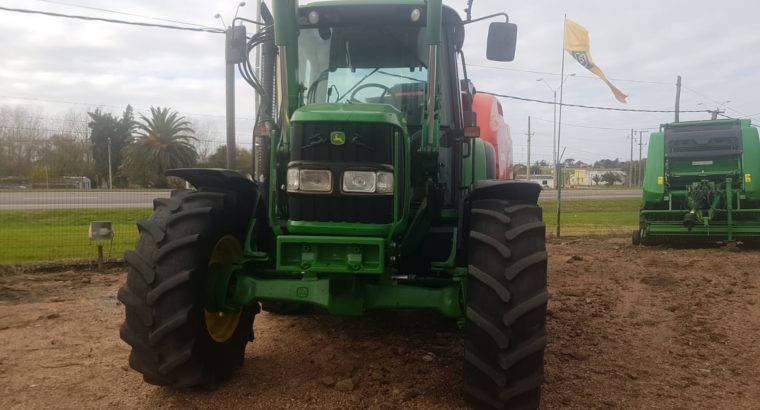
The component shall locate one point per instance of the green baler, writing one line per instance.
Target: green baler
(372, 191)
(701, 183)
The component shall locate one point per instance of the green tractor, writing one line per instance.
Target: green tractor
(699, 185)
(372, 191)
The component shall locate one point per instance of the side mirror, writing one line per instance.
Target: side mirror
(502, 40)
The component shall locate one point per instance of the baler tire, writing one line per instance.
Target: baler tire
(636, 238)
(164, 295)
(505, 331)
(285, 308)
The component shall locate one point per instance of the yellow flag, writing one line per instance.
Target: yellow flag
(577, 44)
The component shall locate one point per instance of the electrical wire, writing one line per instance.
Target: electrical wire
(105, 20)
(592, 127)
(592, 107)
(123, 13)
(577, 75)
(137, 110)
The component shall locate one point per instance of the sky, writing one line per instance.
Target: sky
(58, 65)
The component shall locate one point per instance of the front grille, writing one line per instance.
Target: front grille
(341, 208)
(368, 144)
(365, 142)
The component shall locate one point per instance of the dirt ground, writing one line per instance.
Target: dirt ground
(629, 328)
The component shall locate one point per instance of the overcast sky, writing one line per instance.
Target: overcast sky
(641, 45)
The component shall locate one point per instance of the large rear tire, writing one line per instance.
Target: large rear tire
(175, 341)
(505, 333)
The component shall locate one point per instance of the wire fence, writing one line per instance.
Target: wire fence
(41, 225)
(54, 183)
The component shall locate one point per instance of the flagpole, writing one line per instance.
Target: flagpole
(557, 167)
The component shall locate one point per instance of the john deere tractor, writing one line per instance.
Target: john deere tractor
(701, 185)
(371, 190)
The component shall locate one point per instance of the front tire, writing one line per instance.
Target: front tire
(175, 341)
(505, 333)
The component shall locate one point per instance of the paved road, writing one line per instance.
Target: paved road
(78, 199)
(144, 199)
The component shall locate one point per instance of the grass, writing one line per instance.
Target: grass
(46, 235)
(55, 235)
(593, 217)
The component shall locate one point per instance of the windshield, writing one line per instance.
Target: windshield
(385, 65)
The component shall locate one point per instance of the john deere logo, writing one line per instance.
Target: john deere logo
(337, 138)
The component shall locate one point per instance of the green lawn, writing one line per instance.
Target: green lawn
(51, 235)
(592, 216)
(46, 235)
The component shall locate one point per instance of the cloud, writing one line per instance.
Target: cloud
(645, 40)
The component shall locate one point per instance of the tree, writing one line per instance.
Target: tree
(607, 163)
(164, 141)
(104, 128)
(219, 160)
(609, 178)
(65, 155)
(597, 179)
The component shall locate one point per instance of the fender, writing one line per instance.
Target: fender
(492, 189)
(219, 178)
(508, 190)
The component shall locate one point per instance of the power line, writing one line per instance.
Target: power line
(105, 20)
(138, 110)
(585, 106)
(728, 107)
(123, 13)
(592, 127)
(577, 75)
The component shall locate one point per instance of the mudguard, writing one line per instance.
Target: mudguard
(508, 190)
(219, 178)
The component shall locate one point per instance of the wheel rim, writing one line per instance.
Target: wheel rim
(221, 325)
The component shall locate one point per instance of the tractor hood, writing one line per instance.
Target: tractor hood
(364, 112)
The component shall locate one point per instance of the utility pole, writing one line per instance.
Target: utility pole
(554, 130)
(529, 135)
(229, 77)
(678, 96)
(640, 174)
(630, 163)
(110, 179)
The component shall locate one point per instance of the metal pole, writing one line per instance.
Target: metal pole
(554, 131)
(678, 96)
(100, 258)
(230, 103)
(110, 179)
(528, 170)
(640, 174)
(558, 175)
(630, 164)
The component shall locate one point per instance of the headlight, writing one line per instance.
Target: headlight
(368, 182)
(294, 176)
(385, 182)
(359, 181)
(309, 180)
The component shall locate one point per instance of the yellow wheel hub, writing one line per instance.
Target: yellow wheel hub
(221, 325)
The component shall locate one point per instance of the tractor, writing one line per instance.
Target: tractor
(372, 189)
(699, 185)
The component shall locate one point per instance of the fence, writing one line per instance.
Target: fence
(55, 180)
(38, 225)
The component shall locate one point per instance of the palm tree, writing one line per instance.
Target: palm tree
(164, 141)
